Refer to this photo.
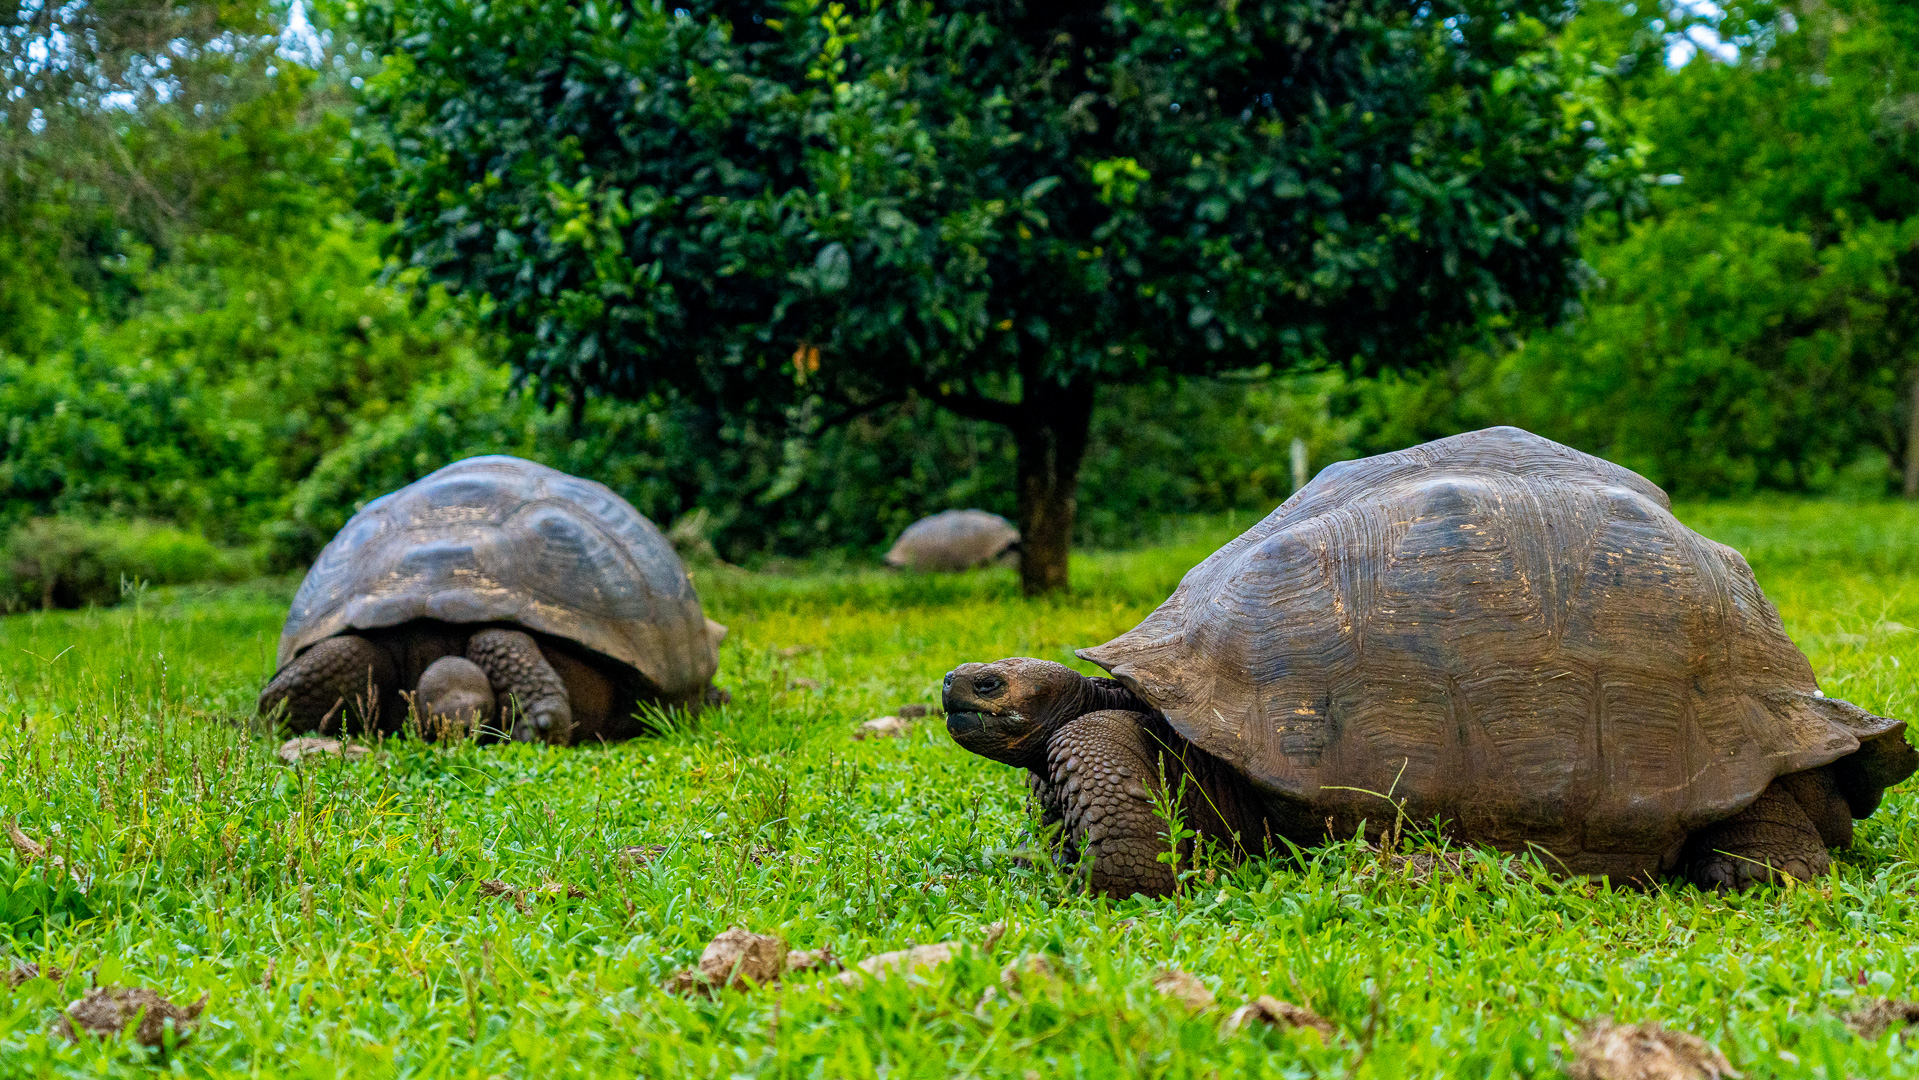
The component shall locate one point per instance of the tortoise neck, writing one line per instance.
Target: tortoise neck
(1104, 693)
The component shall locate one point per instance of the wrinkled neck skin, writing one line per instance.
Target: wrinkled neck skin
(1088, 695)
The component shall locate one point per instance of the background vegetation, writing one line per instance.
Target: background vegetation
(201, 330)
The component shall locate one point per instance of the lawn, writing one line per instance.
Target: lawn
(337, 915)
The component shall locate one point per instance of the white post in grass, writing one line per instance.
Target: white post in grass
(1299, 463)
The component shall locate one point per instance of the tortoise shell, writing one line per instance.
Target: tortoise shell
(953, 540)
(1499, 632)
(501, 540)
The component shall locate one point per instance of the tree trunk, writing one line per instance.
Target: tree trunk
(1912, 439)
(1050, 433)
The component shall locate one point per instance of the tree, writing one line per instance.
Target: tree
(1757, 318)
(809, 210)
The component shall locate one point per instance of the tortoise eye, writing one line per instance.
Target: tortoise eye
(988, 684)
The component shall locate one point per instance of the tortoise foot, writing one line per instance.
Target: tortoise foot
(1764, 844)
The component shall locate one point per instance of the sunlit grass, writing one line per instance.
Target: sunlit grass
(334, 913)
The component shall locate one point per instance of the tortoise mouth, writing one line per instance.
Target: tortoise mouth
(1003, 739)
(964, 725)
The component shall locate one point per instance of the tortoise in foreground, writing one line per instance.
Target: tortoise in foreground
(1491, 631)
(501, 592)
(955, 540)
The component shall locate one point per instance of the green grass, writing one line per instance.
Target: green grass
(334, 916)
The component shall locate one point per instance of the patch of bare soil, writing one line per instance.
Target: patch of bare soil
(293, 750)
(919, 958)
(25, 973)
(1608, 1051)
(109, 1010)
(884, 727)
(741, 960)
(1269, 1010)
(1875, 1018)
(1184, 988)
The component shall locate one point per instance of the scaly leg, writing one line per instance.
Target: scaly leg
(336, 680)
(532, 699)
(1103, 770)
(1770, 840)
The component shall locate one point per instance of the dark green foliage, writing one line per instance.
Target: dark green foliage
(73, 562)
(219, 391)
(1756, 328)
(1154, 452)
(798, 211)
(131, 135)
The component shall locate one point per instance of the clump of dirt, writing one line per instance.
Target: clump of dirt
(25, 973)
(737, 959)
(1029, 969)
(546, 890)
(884, 727)
(1028, 975)
(293, 750)
(109, 1010)
(1269, 1010)
(28, 848)
(1424, 866)
(1608, 1051)
(801, 960)
(1876, 1017)
(911, 961)
(642, 854)
(32, 851)
(1184, 988)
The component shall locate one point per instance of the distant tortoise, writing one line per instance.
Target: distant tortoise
(501, 591)
(1491, 631)
(955, 540)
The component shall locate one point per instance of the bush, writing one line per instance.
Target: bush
(1198, 446)
(220, 390)
(72, 562)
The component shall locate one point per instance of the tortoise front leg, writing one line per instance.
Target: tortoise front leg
(532, 699)
(1103, 770)
(336, 679)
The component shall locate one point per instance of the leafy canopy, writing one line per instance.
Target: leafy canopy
(783, 205)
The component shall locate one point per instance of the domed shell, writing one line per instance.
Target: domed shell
(953, 540)
(1502, 632)
(500, 539)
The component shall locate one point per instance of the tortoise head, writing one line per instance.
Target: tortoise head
(1006, 710)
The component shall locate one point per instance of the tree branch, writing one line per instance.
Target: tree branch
(973, 406)
(854, 412)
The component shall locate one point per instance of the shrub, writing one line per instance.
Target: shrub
(67, 562)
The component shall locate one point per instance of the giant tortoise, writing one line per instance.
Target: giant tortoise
(955, 540)
(500, 591)
(1491, 631)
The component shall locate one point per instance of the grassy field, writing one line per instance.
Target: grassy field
(335, 914)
